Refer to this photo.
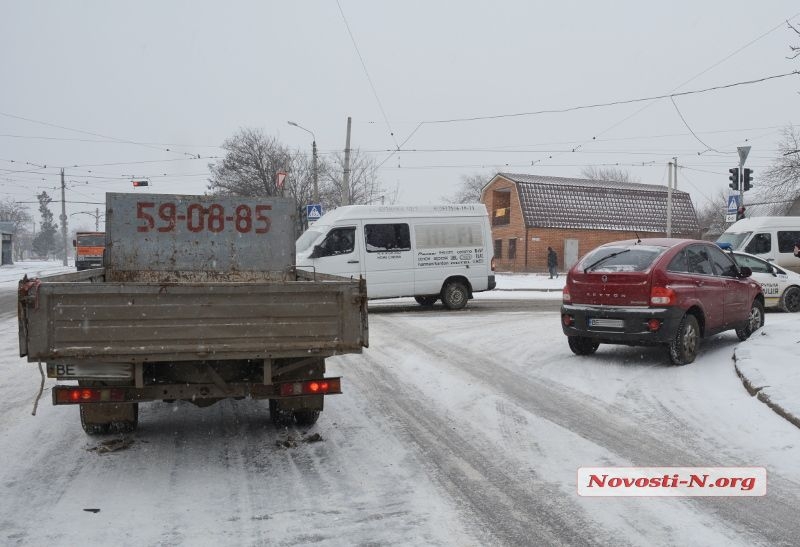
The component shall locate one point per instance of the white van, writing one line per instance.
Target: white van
(427, 251)
(771, 238)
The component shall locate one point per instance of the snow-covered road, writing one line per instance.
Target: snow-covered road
(462, 428)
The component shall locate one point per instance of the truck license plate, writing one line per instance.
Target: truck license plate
(88, 370)
(609, 323)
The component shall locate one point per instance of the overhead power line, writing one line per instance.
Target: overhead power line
(615, 103)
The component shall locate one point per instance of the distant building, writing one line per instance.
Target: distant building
(530, 213)
(6, 254)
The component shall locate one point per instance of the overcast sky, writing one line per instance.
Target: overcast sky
(104, 88)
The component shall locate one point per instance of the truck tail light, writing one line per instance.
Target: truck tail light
(662, 296)
(324, 386)
(565, 296)
(494, 263)
(70, 395)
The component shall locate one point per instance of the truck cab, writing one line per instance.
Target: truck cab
(89, 249)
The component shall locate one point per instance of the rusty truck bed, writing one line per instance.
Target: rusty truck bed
(83, 317)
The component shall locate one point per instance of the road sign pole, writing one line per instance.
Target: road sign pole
(743, 152)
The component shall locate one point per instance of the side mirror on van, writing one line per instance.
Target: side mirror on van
(316, 253)
(74, 242)
(744, 271)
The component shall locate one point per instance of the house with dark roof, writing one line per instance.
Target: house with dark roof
(530, 213)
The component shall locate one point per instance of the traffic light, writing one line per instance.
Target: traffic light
(740, 212)
(734, 178)
(137, 183)
(747, 179)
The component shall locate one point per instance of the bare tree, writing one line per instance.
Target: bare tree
(795, 49)
(470, 189)
(250, 165)
(365, 186)
(711, 216)
(781, 181)
(614, 174)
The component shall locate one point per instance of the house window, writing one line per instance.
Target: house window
(501, 208)
(512, 248)
(498, 248)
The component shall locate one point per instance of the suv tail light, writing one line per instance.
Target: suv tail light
(662, 296)
(565, 296)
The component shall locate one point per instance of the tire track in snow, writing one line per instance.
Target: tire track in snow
(514, 509)
(770, 520)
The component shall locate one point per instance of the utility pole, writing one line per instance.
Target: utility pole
(97, 219)
(63, 217)
(315, 197)
(346, 175)
(669, 198)
(675, 184)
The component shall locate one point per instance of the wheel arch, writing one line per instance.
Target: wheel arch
(697, 311)
(461, 279)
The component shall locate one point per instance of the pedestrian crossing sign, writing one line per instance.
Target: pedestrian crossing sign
(313, 212)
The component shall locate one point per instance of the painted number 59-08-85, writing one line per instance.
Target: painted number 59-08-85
(197, 217)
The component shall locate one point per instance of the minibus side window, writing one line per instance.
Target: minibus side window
(760, 244)
(787, 240)
(387, 237)
(339, 241)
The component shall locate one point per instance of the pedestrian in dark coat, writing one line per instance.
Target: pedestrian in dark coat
(552, 262)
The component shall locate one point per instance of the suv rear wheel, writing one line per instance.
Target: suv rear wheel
(755, 320)
(580, 345)
(683, 347)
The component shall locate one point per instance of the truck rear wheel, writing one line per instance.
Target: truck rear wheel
(286, 418)
(455, 295)
(100, 419)
(306, 417)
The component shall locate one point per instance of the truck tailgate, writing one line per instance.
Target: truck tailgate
(138, 322)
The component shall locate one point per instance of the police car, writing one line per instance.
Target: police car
(781, 287)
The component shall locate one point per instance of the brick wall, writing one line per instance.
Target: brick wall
(532, 243)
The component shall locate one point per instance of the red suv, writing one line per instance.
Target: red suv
(658, 291)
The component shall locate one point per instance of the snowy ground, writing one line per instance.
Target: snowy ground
(455, 428)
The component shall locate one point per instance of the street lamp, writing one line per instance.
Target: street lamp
(315, 197)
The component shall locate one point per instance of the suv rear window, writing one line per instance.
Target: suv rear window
(630, 258)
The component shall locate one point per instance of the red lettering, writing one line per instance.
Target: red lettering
(216, 218)
(167, 212)
(149, 222)
(260, 217)
(244, 219)
(695, 480)
(594, 480)
(195, 222)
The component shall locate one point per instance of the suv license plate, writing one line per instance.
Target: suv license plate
(610, 323)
